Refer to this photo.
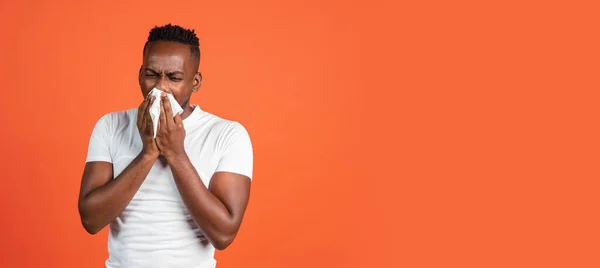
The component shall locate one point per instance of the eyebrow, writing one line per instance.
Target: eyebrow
(170, 73)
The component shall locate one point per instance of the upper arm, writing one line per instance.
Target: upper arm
(234, 192)
(95, 174)
(232, 178)
(236, 151)
(98, 168)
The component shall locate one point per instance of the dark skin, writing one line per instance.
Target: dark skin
(217, 210)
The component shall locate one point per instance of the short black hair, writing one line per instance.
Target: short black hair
(175, 33)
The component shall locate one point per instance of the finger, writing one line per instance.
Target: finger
(163, 116)
(147, 117)
(142, 109)
(157, 129)
(168, 110)
(178, 120)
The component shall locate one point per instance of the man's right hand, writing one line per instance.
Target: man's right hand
(102, 198)
(144, 124)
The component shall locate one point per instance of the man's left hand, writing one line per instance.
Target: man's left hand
(171, 133)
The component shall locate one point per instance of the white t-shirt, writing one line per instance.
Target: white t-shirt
(156, 229)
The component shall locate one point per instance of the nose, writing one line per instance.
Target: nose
(163, 84)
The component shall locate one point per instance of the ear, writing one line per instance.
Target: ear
(197, 81)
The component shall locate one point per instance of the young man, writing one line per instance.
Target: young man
(170, 200)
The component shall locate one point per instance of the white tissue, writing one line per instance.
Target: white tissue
(155, 108)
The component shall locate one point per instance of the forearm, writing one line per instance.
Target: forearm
(102, 205)
(211, 215)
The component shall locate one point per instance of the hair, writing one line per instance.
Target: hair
(178, 34)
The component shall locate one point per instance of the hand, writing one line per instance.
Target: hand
(144, 124)
(170, 134)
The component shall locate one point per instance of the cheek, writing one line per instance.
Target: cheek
(181, 94)
(146, 85)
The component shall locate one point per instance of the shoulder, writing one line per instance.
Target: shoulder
(226, 128)
(233, 146)
(122, 115)
(224, 133)
(111, 122)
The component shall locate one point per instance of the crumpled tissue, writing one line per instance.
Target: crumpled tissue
(155, 108)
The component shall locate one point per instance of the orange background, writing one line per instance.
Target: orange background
(437, 134)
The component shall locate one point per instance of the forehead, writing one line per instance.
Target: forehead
(164, 54)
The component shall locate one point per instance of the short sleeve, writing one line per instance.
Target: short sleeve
(236, 148)
(99, 145)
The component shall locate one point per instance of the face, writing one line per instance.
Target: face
(170, 67)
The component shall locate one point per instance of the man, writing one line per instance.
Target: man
(170, 200)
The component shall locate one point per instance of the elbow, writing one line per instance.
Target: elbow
(223, 241)
(90, 227)
(89, 224)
